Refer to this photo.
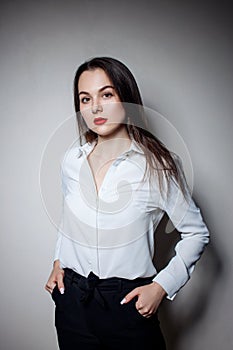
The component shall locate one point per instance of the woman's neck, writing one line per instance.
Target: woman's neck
(111, 146)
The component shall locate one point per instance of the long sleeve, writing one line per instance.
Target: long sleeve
(194, 236)
(60, 226)
(57, 246)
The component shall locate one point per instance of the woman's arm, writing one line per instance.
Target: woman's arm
(57, 273)
(194, 235)
(187, 219)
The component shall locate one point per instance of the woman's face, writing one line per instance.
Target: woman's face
(100, 104)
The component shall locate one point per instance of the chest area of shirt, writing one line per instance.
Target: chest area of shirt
(98, 170)
(119, 187)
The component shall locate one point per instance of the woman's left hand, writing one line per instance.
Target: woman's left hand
(149, 298)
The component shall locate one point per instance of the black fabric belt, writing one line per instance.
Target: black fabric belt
(92, 285)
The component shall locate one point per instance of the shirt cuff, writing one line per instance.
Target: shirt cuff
(168, 283)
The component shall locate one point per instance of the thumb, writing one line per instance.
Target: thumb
(130, 296)
(60, 283)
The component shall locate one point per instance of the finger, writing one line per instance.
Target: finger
(130, 296)
(143, 313)
(50, 286)
(143, 309)
(139, 305)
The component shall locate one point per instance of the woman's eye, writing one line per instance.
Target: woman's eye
(85, 99)
(107, 95)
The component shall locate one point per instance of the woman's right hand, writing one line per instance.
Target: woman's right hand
(56, 278)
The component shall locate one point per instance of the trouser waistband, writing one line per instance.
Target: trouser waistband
(92, 285)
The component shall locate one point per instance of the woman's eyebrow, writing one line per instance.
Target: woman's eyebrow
(101, 89)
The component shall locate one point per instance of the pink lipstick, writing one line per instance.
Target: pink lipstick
(100, 121)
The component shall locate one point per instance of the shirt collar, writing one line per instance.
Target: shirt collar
(88, 147)
(134, 147)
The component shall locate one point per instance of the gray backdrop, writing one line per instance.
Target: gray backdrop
(181, 55)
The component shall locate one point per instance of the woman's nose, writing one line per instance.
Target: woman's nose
(96, 107)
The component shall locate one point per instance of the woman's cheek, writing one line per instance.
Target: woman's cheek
(87, 116)
(114, 112)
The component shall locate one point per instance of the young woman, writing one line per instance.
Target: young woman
(116, 188)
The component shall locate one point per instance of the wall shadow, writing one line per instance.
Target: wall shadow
(189, 306)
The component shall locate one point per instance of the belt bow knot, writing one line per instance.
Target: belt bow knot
(89, 289)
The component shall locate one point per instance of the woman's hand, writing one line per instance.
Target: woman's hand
(56, 278)
(149, 298)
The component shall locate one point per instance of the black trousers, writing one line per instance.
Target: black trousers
(89, 316)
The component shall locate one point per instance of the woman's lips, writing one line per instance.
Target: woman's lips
(100, 121)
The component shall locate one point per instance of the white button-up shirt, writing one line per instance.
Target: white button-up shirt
(111, 232)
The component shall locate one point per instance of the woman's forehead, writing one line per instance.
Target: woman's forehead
(93, 80)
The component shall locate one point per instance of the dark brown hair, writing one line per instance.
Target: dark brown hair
(158, 157)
